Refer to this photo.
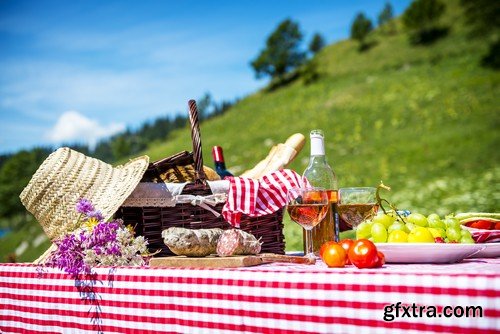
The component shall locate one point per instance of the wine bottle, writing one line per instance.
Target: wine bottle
(220, 165)
(319, 174)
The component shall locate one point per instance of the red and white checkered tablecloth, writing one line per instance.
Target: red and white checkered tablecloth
(273, 298)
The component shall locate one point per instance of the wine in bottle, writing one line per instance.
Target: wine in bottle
(319, 174)
(220, 165)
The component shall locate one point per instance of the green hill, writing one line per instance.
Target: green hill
(424, 119)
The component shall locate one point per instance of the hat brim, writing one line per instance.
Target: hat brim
(66, 176)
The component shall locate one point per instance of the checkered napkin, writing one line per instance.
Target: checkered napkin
(260, 197)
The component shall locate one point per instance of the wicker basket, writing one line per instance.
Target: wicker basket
(150, 221)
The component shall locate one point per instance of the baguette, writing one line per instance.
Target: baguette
(296, 141)
(279, 157)
(261, 166)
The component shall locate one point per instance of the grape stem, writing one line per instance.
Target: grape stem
(380, 200)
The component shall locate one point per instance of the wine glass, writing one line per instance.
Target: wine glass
(357, 204)
(307, 207)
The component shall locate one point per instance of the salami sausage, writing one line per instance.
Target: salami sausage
(184, 241)
(237, 242)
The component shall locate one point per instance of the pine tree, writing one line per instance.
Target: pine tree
(385, 19)
(360, 29)
(421, 19)
(317, 43)
(282, 53)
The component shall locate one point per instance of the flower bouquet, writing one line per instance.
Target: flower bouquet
(97, 243)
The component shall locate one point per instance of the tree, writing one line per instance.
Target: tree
(103, 151)
(204, 104)
(385, 15)
(360, 28)
(15, 174)
(483, 17)
(317, 43)
(121, 146)
(282, 53)
(421, 19)
(309, 72)
(385, 18)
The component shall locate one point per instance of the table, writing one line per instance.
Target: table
(272, 298)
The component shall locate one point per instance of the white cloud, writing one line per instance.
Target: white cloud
(75, 127)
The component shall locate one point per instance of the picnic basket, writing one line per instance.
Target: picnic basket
(150, 218)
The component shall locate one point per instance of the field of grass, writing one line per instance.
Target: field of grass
(424, 119)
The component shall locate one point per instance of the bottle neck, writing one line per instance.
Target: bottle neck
(217, 155)
(319, 173)
(317, 146)
(317, 160)
(220, 165)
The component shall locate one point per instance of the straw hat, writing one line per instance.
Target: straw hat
(66, 176)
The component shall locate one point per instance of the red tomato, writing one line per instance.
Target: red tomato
(363, 254)
(380, 259)
(325, 246)
(481, 224)
(334, 255)
(497, 226)
(346, 244)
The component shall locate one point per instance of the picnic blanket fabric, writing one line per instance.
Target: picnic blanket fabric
(260, 197)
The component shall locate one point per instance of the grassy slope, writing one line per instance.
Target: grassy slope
(422, 119)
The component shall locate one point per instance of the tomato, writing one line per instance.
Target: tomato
(380, 259)
(439, 240)
(325, 246)
(334, 255)
(480, 224)
(346, 244)
(497, 226)
(363, 254)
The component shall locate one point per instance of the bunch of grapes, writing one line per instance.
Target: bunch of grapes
(390, 226)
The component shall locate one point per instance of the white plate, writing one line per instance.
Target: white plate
(427, 252)
(490, 250)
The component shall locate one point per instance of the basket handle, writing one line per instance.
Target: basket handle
(200, 176)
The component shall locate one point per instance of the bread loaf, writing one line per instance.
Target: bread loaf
(211, 174)
(278, 157)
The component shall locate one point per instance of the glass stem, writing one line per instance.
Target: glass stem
(309, 244)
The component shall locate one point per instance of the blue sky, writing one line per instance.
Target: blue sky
(78, 71)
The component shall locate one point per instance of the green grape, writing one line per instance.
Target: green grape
(453, 233)
(466, 233)
(436, 223)
(452, 222)
(410, 226)
(437, 232)
(417, 219)
(433, 217)
(467, 240)
(398, 236)
(383, 219)
(420, 234)
(379, 232)
(397, 226)
(363, 231)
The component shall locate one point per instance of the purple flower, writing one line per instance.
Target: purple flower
(84, 206)
(69, 256)
(95, 214)
(103, 244)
